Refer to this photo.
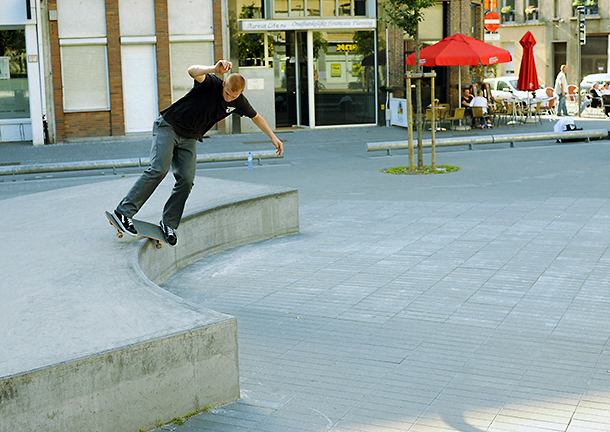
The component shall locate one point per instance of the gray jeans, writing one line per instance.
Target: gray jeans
(561, 106)
(168, 149)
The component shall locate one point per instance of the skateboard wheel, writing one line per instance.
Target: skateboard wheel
(158, 245)
(119, 235)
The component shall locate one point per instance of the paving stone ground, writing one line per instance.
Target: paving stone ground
(472, 301)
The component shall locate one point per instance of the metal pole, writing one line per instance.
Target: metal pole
(577, 71)
(387, 79)
(433, 137)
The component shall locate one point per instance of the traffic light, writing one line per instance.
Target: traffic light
(582, 26)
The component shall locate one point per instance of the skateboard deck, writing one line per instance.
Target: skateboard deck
(145, 229)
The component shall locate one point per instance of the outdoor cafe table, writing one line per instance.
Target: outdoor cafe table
(523, 105)
(441, 113)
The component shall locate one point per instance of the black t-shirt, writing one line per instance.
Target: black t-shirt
(202, 107)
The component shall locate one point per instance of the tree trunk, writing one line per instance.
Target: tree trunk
(418, 69)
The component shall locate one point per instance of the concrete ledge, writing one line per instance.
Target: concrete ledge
(88, 341)
(113, 164)
(490, 139)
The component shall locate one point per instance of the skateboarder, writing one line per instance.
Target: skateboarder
(175, 133)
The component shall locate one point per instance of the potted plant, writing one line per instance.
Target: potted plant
(591, 7)
(436, 101)
(531, 13)
(507, 14)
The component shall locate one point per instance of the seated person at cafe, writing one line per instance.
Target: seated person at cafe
(605, 91)
(594, 100)
(480, 101)
(465, 103)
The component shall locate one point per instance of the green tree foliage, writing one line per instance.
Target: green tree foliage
(319, 43)
(250, 45)
(406, 14)
(365, 41)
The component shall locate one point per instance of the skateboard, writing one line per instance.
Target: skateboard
(145, 229)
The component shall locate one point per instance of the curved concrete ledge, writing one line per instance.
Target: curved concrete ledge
(85, 331)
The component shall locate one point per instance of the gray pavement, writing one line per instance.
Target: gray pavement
(471, 301)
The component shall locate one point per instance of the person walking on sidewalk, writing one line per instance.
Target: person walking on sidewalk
(175, 133)
(561, 88)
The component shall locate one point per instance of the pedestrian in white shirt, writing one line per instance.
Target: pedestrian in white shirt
(561, 88)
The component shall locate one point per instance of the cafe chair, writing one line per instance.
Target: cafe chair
(572, 99)
(458, 114)
(479, 114)
(549, 106)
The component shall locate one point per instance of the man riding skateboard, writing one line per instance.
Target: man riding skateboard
(175, 133)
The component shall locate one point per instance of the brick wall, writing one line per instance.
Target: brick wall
(58, 99)
(396, 61)
(218, 45)
(164, 83)
(115, 79)
(87, 124)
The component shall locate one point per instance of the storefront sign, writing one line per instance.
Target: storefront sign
(347, 47)
(335, 70)
(398, 112)
(256, 84)
(305, 24)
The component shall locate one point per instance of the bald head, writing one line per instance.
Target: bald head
(235, 83)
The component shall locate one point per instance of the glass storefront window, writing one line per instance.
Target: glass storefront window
(344, 78)
(313, 7)
(250, 9)
(328, 7)
(14, 93)
(297, 8)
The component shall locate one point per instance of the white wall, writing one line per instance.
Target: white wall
(13, 12)
(137, 17)
(190, 17)
(260, 92)
(77, 18)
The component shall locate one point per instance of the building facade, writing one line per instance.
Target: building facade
(104, 68)
(71, 69)
(320, 58)
(554, 25)
(446, 18)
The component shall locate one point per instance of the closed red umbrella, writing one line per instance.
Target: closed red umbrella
(460, 50)
(528, 77)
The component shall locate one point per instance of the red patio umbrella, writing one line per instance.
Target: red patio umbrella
(460, 50)
(528, 77)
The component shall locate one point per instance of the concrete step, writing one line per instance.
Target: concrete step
(90, 341)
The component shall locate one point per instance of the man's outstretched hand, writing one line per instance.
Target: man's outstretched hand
(278, 145)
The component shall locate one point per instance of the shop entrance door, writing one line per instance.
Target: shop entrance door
(291, 80)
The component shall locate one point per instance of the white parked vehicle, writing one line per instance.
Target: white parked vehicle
(588, 81)
(505, 87)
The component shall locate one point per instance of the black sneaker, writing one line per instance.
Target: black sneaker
(125, 223)
(170, 235)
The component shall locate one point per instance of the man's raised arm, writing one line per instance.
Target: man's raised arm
(199, 72)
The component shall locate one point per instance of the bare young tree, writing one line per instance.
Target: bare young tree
(407, 14)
